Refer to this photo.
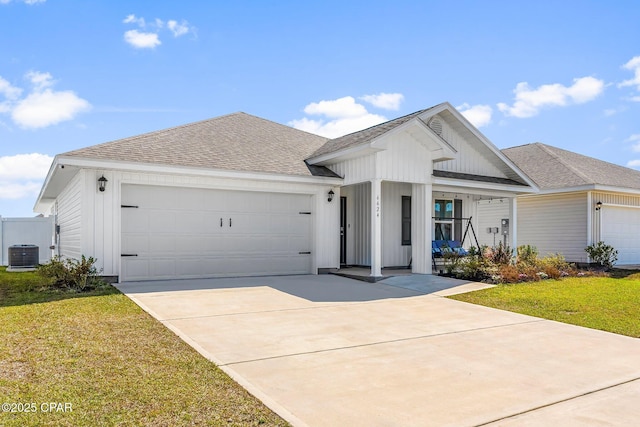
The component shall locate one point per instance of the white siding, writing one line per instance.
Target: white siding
(393, 253)
(490, 214)
(69, 218)
(358, 223)
(356, 170)
(404, 160)
(554, 224)
(469, 159)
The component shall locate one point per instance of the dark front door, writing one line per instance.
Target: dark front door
(343, 230)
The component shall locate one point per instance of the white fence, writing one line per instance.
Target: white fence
(26, 231)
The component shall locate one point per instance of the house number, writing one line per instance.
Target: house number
(378, 206)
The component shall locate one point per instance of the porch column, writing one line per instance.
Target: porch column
(513, 219)
(421, 208)
(376, 227)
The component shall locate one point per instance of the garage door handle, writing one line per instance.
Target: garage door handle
(128, 254)
(304, 253)
(229, 222)
(220, 222)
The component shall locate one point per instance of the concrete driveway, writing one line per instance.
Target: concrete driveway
(331, 351)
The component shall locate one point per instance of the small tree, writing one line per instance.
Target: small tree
(603, 254)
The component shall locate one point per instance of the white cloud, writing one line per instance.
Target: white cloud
(632, 65)
(21, 175)
(386, 101)
(479, 115)
(178, 29)
(635, 139)
(29, 2)
(46, 108)
(39, 80)
(633, 164)
(337, 108)
(344, 116)
(43, 106)
(141, 40)
(150, 38)
(132, 19)
(529, 102)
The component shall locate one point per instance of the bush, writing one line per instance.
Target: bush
(527, 254)
(70, 273)
(603, 254)
(500, 254)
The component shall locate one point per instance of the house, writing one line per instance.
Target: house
(582, 200)
(239, 195)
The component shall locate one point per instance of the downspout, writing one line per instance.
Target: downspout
(589, 221)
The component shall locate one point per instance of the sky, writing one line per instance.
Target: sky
(78, 73)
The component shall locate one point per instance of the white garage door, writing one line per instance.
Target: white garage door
(170, 232)
(621, 229)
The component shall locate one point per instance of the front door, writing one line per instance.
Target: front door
(343, 230)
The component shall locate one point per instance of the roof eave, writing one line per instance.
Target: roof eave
(518, 189)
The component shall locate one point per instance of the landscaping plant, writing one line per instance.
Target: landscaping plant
(603, 254)
(76, 275)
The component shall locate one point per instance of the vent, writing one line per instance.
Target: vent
(436, 126)
(24, 256)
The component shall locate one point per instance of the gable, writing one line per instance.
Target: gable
(455, 147)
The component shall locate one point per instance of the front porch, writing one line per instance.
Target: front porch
(387, 228)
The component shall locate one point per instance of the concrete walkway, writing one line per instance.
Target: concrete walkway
(327, 351)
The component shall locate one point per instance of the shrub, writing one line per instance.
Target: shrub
(70, 273)
(500, 254)
(603, 254)
(527, 254)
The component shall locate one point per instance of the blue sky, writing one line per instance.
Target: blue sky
(78, 73)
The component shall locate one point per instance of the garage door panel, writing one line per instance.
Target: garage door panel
(621, 229)
(176, 233)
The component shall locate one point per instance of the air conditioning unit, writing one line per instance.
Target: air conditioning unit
(24, 256)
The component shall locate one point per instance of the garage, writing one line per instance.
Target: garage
(176, 232)
(621, 229)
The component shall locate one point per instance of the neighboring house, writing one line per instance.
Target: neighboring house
(582, 200)
(239, 195)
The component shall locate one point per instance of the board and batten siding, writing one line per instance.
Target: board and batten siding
(394, 254)
(69, 218)
(469, 159)
(358, 223)
(554, 224)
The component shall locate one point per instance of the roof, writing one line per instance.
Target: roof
(553, 168)
(479, 178)
(238, 141)
(364, 136)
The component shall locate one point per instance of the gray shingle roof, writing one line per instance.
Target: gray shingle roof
(239, 142)
(364, 136)
(554, 168)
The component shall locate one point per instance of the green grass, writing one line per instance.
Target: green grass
(110, 360)
(606, 303)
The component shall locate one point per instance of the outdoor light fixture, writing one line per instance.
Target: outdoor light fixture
(598, 206)
(102, 183)
(330, 196)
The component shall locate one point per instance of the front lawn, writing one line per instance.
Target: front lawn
(101, 360)
(606, 303)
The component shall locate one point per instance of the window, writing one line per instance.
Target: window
(406, 220)
(443, 214)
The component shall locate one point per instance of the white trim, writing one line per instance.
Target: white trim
(615, 205)
(590, 210)
(464, 183)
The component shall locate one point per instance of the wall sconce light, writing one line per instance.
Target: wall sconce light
(598, 206)
(330, 196)
(102, 183)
